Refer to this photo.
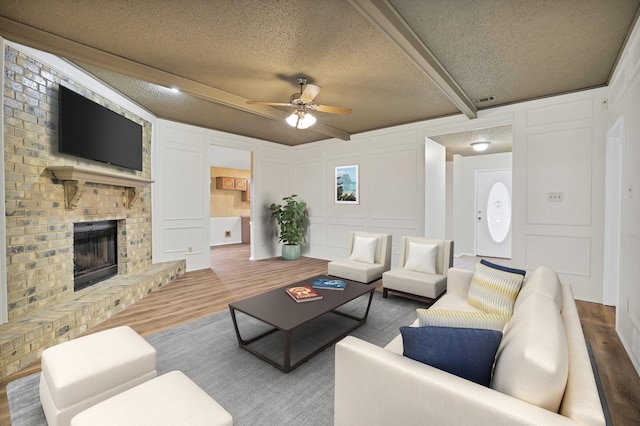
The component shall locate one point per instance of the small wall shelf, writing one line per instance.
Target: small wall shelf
(74, 179)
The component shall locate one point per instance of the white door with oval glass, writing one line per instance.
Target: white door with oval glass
(493, 213)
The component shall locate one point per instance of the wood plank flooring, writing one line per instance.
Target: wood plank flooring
(233, 277)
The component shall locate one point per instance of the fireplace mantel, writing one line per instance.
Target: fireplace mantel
(74, 179)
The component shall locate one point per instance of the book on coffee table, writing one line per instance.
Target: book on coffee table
(303, 294)
(329, 284)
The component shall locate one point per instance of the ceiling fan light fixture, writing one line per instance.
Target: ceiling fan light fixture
(480, 146)
(306, 121)
(292, 120)
(300, 120)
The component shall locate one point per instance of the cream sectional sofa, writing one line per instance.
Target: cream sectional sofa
(542, 361)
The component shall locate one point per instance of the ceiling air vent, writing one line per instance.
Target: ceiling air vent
(485, 99)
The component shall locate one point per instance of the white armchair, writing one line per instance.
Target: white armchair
(424, 263)
(369, 257)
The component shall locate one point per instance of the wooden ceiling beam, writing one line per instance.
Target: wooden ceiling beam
(74, 51)
(381, 14)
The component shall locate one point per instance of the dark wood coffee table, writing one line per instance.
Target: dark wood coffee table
(279, 310)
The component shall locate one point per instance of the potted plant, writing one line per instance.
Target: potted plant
(291, 217)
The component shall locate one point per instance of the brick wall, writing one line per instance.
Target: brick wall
(39, 229)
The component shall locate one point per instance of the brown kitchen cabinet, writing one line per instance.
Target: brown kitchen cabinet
(223, 182)
(246, 194)
(240, 184)
(231, 183)
(246, 229)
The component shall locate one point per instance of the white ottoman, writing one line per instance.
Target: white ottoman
(82, 372)
(171, 399)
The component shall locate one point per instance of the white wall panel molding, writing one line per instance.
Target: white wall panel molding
(632, 162)
(560, 113)
(633, 56)
(566, 255)
(559, 163)
(435, 197)
(397, 194)
(392, 140)
(229, 141)
(486, 118)
(309, 153)
(184, 239)
(180, 204)
(183, 185)
(397, 226)
(616, 88)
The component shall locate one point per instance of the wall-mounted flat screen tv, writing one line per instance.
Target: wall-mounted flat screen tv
(89, 130)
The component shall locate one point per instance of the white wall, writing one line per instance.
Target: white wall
(624, 107)
(559, 146)
(181, 202)
(229, 158)
(435, 189)
(449, 215)
(225, 230)
(180, 163)
(464, 197)
(392, 186)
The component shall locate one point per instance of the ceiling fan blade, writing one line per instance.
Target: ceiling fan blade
(331, 109)
(309, 93)
(269, 103)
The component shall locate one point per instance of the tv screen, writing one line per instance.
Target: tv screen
(89, 130)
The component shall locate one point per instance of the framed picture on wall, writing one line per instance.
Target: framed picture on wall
(347, 185)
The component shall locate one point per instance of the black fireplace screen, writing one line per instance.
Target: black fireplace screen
(95, 252)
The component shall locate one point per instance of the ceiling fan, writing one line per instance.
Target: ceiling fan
(302, 102)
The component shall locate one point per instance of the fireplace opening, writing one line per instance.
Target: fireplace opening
(95, 252)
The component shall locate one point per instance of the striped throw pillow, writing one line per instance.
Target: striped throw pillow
(493, 290)
(460, 319)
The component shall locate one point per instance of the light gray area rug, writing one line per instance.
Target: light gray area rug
(252, 391)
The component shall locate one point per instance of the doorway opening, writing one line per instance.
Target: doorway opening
(462, 164)
(231, 188)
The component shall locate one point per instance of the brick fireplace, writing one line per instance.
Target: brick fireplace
(47, 193)
(39, 216)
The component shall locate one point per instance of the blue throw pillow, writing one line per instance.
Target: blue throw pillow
(503, 268)
(466, 352)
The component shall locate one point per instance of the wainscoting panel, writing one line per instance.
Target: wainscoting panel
(559, 162)
(395, 195)
(183, 185)
(560, 113)
(566, 255)
(182, 204)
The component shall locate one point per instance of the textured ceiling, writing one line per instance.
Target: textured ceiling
(391, 62)
(500, 140)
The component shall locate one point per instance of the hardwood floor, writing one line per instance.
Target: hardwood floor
(233, 277)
